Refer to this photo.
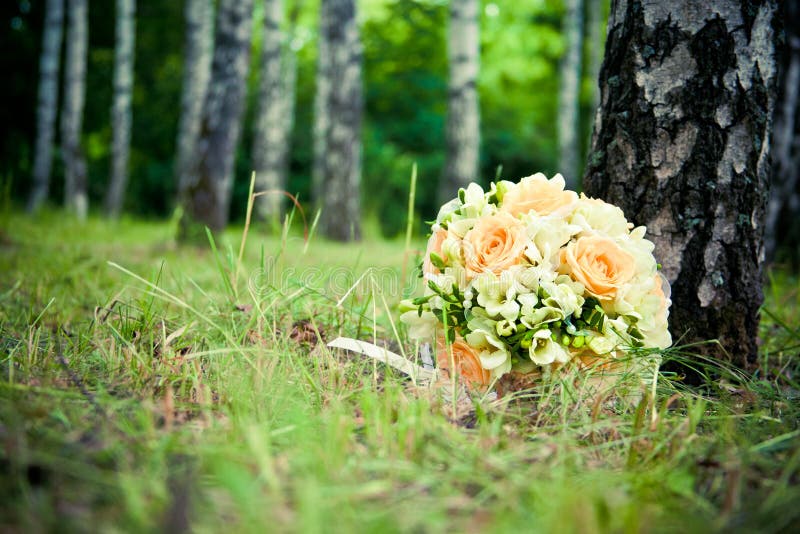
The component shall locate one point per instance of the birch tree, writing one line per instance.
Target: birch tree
(596, 38)
(321, 111)
(783, 227)
(569, 94)
(341, 215)
(207, 190)
(47, 104)
(275, 110)
(463, 116)
(121, 108)
(682, 144)
(198, 43)
(75, 186)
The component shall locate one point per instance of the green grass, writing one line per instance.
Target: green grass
(145, 387)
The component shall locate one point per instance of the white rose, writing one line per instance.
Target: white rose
(593, 215)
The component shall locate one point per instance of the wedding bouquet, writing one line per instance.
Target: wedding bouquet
(530, 277)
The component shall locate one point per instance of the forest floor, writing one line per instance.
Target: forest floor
(148, 387)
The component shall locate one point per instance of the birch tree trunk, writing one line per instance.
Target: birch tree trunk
(341, 216)
(75, 186)
(121, 109)
(47, 102)
(783, 227)
(681, 143)
(271, 138)
(290, 85)
(207, 191)
(198, 44)
(321, 111)
(569, 94)
(462, 131)
(596, 38)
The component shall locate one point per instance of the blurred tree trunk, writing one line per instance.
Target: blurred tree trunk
(274, 117)
(47, 105)
(75, 186)
(595, 24)
(341, 216)
(198, 44)
(207, 189)
(681, 143)
(321, 111)
(290, 85)
(121, 110)
(783, 215)
(462, 132)
(569, 94)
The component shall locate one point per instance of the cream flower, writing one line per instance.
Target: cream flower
(446, 211)
(593, 215)
(537, 193)
(612, 337)
(547, 234)
(563, 294)
(475, 202)
(419, 326)
(545, 351)
(497, 294)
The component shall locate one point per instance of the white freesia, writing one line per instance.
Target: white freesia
(475, 202)
(562, 294)
(497, 294)
(493, 353)
(452, 250)
(446, 211)
(459, 226)
(545, 351)
(452, 275)
(419, 326)
(533, 317)
(611, 338)
(548, 234)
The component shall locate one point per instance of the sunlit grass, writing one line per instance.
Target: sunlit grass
(149, 387)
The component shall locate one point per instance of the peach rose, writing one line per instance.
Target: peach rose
(599, 264)
(434, 245)
(466, 361)
(539, 194)
(495, 243)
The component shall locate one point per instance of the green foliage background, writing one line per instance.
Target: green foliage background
(405, 78)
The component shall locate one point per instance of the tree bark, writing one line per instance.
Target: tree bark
(198, 44)
(341, 216)
(681, 143)
(121, 109)
(75, 186)
(207, 191)
(321, 111)
(273, 125)
(462, 130)
(569, 94)
(783, 214)
(47, 105)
